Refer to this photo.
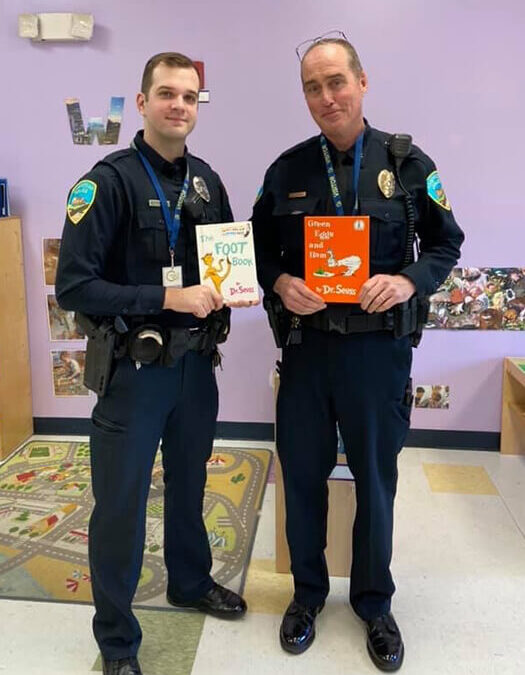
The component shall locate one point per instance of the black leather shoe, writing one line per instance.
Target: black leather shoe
(384, 643)
(218, 601)
(298, 627)
(129, 666)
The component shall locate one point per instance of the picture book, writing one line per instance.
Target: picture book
(227, 260)
(337, 256)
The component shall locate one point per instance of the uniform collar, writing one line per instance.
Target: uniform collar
(347, 157)
(157, 161)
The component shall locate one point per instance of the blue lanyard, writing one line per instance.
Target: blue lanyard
(172, 223)
(336, 196)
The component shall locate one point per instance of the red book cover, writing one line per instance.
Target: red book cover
(336, 256)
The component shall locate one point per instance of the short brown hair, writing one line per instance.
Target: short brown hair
(353, 58)
(171, 59)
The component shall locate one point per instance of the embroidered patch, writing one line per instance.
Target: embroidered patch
(435, 190)
(80, 200)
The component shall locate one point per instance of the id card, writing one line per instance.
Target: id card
(172, 277)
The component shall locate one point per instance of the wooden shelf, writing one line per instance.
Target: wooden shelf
(16, 416)
(513, 407)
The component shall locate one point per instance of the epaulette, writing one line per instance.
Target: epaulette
(199, 160)
(300, 146)
(115, 157)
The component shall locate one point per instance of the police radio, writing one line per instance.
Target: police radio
(399, 146)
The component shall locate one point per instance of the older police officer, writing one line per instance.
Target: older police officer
(129, 251)
(348, 365)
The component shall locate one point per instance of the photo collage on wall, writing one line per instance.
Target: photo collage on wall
(482, 298)
(67, 366)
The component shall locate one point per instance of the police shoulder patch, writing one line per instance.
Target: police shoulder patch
(258, 195)
(80, 200)
(435, 190)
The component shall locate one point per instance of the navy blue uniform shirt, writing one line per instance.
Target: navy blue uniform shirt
(296, 184)
(111, 261)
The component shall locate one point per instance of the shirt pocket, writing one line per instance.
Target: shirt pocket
(152, 235)
(289, 214)
(388, 231)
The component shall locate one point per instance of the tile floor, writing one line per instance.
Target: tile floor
(459, 565)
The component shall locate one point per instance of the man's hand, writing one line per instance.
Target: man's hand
(198, 300)
(296, 296)
(383, 291)
(234, 304)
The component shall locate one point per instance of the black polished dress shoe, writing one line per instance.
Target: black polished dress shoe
(384, 642)
(129, 666)
(218, 601)
(298, 627)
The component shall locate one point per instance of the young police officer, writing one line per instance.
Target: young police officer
(128, 260)
(347, 364)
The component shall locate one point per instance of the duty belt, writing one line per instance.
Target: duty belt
(356, 323)
(151, 343)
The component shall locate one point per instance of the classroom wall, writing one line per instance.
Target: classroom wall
(449, 74)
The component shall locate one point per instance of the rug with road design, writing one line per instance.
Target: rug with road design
(45, 504)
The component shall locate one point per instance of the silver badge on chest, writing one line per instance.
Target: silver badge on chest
(199, 184)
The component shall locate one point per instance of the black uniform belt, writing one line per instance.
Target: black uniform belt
(150, 343)
(355, 323)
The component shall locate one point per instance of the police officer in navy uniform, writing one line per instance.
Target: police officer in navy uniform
(129, 251)
(347, 365)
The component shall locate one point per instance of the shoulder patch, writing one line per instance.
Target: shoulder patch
(435, 190)
(80, 200)
(258, 195)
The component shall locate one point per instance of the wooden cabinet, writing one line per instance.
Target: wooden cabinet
(341, 514)
(16, 415)
(513, 407)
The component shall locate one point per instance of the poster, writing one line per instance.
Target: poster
(432, 396)
(484, 298)
(50, 251)
(62, 325)
(68, 373)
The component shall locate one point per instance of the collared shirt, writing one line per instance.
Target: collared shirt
(175, 170)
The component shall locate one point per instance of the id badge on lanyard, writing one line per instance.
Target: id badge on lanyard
(172, 275)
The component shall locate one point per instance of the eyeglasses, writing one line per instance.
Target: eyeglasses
(302, 48)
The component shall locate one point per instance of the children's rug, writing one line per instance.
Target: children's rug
(46, 501)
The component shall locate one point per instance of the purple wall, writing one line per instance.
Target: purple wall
(449, 74)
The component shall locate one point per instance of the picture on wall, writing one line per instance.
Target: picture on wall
(107, 133)
(484, 298)
(61, 322)
(431, 396)
(68, 373)
(204, 94)
(50, 250)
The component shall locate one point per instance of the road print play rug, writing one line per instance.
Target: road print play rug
(46, 501)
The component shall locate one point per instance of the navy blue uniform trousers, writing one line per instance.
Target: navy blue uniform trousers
(142, 406)
(358, 381)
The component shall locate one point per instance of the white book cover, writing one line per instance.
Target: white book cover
(227, 259)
